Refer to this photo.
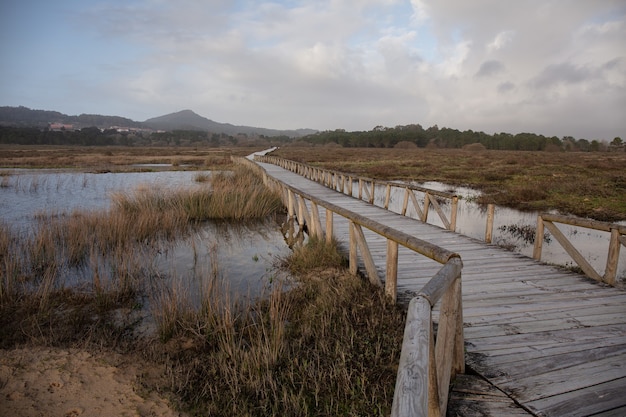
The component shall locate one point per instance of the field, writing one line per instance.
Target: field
(585, 184)
(115, 159)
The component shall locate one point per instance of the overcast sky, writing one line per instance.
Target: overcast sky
(541, 66)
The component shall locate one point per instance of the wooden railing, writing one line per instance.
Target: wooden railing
(426, 367)
(366, 189)
(617, 239)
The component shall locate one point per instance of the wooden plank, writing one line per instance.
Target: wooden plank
(584, 402)
(551, 361)
(472, 396)
(563, 380)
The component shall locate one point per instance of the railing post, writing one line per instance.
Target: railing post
(538, 238)
(426, 205)
(612, 258)
(352, 257)
(489, 227)
(405, 202)
(391, 277)
(387, 196)
(329, 226)
(453, 213)
(290, 203)
(315, 220)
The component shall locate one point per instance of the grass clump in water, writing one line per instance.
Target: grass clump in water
(106, 256)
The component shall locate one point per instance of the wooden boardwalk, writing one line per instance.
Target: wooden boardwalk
(540, 340)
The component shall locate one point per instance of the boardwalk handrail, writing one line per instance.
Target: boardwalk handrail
(617, 238)
(425, 368)
(343, 182)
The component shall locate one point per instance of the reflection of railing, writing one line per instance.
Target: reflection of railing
(366, 189)
(426, 367)
(617, 238)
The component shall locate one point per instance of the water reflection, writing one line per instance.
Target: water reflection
(245, 255)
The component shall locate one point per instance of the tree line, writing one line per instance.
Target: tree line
(93, 136)
(385, 137)
(378, 137)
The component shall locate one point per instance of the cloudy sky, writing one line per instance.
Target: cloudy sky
(554, 67)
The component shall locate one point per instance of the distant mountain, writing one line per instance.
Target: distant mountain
(23, 116)
(188, 120)
(182, 120)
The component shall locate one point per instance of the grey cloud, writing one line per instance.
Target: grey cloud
(568, 73)
(561, 73)
(490, 68)
(505, 87)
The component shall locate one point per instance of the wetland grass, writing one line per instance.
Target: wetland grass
(585, 184)
(326, 345)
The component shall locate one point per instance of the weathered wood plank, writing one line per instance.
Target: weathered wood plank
(472, 396)
(584, 402)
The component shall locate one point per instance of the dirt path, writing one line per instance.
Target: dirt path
(59, 382)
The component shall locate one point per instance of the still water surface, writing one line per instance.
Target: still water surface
(246, 255)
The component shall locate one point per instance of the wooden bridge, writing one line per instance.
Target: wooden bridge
(522, 337)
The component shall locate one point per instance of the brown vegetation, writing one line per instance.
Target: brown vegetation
(98, 159)
(586, 184)
(327, 345)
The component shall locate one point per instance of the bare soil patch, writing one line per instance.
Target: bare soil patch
(42, 381)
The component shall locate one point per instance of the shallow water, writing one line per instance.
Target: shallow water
(246, 254)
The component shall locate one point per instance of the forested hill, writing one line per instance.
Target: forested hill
(25, 117)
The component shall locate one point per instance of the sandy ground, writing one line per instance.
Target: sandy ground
(69, 383)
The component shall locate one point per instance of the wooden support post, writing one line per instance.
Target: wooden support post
(329, 226)
(370, 265)
(446, 347)
(290, 203)
(453, 212)
(489, 228)
(612, 259)
(372, 193)
(538, 239)
(360, 188)
(405, 202)
(416, 206)
(426, 205)
(304, 213)
(572, 251)
(315, 221)
(391, 277)
(440, 212)
(353, 259)
(387, 196)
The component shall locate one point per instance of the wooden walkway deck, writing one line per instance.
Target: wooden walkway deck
(552, 341)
